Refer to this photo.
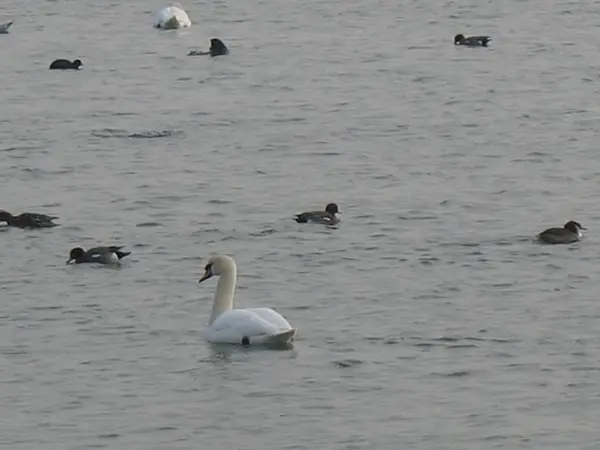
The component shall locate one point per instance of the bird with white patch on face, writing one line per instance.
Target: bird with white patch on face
(569, 233)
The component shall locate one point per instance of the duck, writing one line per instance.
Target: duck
(327, 217)
(5, 26)
(569, 233)
(64, 64)
(472, 41)
(103, 255)
(217, 48)
(172, 18)
(28, 220)
(246, 327)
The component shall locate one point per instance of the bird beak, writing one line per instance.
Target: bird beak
(583, 228)
(207, 274)
(70, 261)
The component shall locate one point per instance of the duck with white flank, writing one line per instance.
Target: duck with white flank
(327, 217)
(101, 255)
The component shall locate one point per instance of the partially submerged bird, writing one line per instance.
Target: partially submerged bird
(172, 18)
(327, 217)
(63, 64)
(248, 327)
(217, 48)
(569, 233)
(472, 41)
(28, 220)
(102, 255)
(5, 26)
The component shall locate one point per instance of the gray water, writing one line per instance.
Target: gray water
(429, 319)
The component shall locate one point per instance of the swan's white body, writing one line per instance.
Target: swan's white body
(171, 18)
(251, 326)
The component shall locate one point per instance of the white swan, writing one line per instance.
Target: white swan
(171, 18)
(252, 326)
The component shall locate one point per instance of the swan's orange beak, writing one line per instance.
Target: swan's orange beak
(207, 274)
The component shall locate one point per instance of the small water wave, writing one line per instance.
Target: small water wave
(459, 373)
(346, 363)
(442, 341)
(148, 224)
(121, 134)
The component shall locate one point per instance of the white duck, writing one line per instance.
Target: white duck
(172, 18)
(252, 326)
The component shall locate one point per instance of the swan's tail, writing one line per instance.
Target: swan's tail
(282, 339)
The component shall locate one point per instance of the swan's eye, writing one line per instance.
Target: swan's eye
(208, 267)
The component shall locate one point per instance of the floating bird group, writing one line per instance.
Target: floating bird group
(228, 325)
(174, 17)
(168, 18)
(250, 326)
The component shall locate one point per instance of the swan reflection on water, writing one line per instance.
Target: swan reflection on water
(227, 353)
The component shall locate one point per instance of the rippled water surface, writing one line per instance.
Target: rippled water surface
(429, 319)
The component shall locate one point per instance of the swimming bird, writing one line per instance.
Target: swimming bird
(28, 220)
(171, 18)
(327, 217)
(102, 255)
(63, 64)
(251, 326)
(569, 233)
(472, 41)
(217, 48)
(5, 26)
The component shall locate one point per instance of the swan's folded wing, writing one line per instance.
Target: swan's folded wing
(160, 17)
(164, 15)
(233, 326)
(183, 17)
(272, 317)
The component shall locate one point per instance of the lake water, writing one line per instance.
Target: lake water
(429, 319)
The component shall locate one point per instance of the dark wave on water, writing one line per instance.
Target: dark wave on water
(152, 134)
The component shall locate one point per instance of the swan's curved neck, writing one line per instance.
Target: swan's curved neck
(224, 295)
